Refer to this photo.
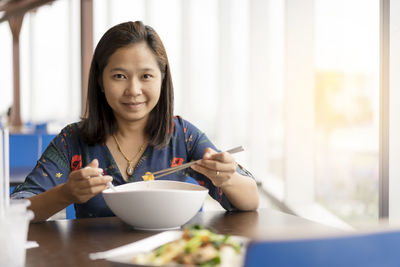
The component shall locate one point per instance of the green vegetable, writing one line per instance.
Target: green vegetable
(159, 251)
(236, 246)
(212, 263)
(197, 227)
(193, 244)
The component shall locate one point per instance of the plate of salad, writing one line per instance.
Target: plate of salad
(193, 246)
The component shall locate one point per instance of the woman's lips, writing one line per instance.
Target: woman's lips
(135, 105)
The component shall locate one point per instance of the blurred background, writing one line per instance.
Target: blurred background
(296, 82)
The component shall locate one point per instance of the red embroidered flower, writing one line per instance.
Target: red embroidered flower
(76, 162)
(176, 162)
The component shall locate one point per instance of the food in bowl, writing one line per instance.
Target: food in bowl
(148, 176)
(197, 247)
(156, 205)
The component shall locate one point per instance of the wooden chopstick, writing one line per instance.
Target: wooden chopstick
(174, 169)
(167, 171)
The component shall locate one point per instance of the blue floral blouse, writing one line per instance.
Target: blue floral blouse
(68, 152)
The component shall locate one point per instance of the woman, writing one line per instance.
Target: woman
(129, 129)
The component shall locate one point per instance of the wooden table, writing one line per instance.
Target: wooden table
(69, 242)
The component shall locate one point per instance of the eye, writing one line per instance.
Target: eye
(147, 76)
(119, 76)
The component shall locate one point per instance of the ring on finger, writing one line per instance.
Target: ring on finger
(217, 173)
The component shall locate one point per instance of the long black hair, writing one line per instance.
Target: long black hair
(99, 122)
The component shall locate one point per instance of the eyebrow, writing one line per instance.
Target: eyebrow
(124, 70)
(118, 69)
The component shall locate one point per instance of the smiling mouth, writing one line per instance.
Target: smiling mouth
(133, 105)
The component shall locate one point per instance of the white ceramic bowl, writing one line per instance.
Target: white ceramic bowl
(156, 205)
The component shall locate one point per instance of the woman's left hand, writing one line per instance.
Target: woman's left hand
(219, 167)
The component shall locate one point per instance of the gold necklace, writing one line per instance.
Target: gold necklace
(130, 169)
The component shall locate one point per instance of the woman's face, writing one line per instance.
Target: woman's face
(132, 83)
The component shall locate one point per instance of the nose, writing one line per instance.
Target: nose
(134, 87)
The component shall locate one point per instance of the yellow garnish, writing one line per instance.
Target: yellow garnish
(148, 176)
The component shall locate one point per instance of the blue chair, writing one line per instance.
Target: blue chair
(24, 152)
(24, 149)
(379, 249)
(70, 212)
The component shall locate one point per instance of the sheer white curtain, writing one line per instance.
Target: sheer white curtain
(5, 70)
(226, 59)
(49, 64)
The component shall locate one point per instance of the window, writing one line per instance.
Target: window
(347, 108)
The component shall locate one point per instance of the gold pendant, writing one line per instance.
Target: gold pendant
(130, 169)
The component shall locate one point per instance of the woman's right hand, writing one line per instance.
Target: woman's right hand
(85, 183)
